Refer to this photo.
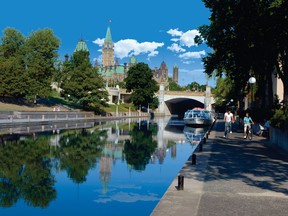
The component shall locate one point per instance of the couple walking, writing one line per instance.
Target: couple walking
(229, 119)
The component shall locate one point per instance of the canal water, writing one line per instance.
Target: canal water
(118, 167)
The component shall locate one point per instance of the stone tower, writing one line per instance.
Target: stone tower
(175, 73)
(163, 72)
(108, 50)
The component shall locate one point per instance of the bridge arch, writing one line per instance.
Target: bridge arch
(178, 106)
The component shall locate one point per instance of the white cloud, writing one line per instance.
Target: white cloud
(128, 197)
(176, 48)
(175, 32)
(99, 41)
(192, 55)
(175, 39)
(124, 48)
(187, 38)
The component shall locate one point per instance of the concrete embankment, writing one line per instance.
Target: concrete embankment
(231, 176)
(16, 117)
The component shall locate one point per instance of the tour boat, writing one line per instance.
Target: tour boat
(198, 117)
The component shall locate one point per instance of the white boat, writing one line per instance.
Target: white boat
(198, 117)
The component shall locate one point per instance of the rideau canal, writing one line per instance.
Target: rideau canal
(119, 167)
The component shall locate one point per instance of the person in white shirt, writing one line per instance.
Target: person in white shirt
(229, 119)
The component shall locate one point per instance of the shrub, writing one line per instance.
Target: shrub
(280, 118)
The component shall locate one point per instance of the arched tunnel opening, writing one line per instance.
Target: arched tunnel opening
(179, 106)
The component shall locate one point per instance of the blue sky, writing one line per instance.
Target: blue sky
(154, 30)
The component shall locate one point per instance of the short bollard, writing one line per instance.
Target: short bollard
(193, 159)
(201, 147)
(180, 182)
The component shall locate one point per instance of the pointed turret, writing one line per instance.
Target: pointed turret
(108, 50)
(108, 37)
(132, 60)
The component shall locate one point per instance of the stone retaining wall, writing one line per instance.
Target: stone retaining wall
(279, 138)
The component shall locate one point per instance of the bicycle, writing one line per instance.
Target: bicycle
(249, 132)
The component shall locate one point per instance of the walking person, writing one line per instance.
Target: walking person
(229, 119)
(247, 123)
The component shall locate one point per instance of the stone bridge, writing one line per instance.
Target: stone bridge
(177, 102)
(171, 102)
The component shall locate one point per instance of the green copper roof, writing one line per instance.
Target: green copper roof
(133, 60)
(108, 72)
(175, 66)
(108, 35)
(81, 46)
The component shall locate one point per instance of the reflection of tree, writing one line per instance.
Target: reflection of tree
(138, 150)
(25, 172)
(78, 152)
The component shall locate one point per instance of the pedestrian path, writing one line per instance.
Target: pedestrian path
(231, 177)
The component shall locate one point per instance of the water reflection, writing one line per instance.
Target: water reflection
(139, 148)
(25, 172)
(194, 135)
(78, 151)
(31, 164)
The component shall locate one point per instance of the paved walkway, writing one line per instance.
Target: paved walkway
(231, 177)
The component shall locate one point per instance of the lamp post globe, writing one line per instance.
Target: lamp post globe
(252, 80)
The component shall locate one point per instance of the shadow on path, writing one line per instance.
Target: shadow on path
(250, 162)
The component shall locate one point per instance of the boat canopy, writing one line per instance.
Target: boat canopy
(196, 113)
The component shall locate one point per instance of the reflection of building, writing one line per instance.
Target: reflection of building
(105, 172)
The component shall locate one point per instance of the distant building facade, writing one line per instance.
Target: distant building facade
(111, 70)
(161, 74)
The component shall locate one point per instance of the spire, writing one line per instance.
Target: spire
(108, 35)
(108, 50)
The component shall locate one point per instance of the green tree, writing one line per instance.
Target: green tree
(82, 83)
(140, 82)
(12, 68)
(40, 56)
(27, 63)
(278, 31)
(223, 91)
(173, 86)
(194, 86)
(242, 36)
